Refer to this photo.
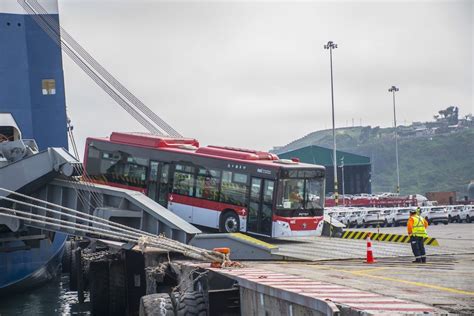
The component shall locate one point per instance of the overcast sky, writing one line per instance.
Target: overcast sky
(255, 74)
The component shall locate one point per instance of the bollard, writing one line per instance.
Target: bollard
(225, 251)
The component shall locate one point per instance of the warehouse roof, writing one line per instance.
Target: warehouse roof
(323, 156)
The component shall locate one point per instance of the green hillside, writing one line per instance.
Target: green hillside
(441, 162)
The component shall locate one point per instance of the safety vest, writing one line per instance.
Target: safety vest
(419, 229)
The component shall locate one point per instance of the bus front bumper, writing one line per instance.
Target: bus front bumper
(300, 227)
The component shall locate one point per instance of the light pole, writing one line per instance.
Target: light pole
(343, 187)
(330, 45)
(394, 89)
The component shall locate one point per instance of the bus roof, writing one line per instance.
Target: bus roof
(191, 146)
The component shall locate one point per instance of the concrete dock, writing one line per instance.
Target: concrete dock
(446, 282)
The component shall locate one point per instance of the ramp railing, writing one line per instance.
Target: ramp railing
(66, 220)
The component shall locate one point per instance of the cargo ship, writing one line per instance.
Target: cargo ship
(32, 106)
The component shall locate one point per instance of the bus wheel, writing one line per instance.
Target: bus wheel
(229, 223)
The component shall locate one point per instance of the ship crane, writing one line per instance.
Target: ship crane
(116, 90)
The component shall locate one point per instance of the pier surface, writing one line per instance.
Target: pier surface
(445, 283)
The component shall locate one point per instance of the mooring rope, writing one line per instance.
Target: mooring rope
(114, 230)
(158, 241)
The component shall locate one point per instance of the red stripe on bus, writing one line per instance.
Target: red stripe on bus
(211, 205)
(300, 223)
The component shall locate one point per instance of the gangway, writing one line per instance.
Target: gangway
(39, 175)
(41, 190)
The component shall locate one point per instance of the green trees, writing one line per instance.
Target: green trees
(448, 115)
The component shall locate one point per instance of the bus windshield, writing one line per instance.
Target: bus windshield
(300, 194)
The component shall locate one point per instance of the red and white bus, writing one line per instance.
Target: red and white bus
(226, 188)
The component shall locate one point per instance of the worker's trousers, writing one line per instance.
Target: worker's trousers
(418, 248)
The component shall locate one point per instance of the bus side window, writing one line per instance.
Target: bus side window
(234, 188)
(207, 184)
(183, 182)
(154, 171)
(123, 168)
(268, 191)
(164, 173)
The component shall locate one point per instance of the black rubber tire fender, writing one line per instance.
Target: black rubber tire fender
(73, 272)
(191, 304)
(99, 287)
(117, 288)
(66, 258)
(156, 305)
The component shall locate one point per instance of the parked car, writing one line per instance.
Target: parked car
(467, 213)
(342, 217)
(371, 217)
(400, 216)
(454, 212)
(353, 219)
(389, 214)
(435, 215)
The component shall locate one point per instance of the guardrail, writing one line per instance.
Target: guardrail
(354, 234)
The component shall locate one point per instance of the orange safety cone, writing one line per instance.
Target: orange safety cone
(370, 255)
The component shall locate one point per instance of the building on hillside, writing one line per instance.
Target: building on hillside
(357, 169)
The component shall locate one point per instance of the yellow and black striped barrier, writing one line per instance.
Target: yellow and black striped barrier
(354, 234)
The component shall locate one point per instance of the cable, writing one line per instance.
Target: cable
(63, 34)
(158, 241)
(121, 234)
(101, 83)
(93, 218)
(86, 56)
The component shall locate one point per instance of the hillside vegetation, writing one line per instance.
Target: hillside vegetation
(438, 162)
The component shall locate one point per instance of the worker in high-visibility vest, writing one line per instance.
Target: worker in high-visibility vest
(416, 227)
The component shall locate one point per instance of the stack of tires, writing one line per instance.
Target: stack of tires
(181, 304)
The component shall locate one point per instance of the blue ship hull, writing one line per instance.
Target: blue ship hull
(25, 269)
(32, 90)
(31, 80)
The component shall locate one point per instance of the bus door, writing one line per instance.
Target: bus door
(259, 219)
(158, 184)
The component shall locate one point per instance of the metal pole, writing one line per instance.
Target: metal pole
(396, 140)
(330, 45)
(343, 186)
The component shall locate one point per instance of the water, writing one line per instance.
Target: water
(52, 299)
